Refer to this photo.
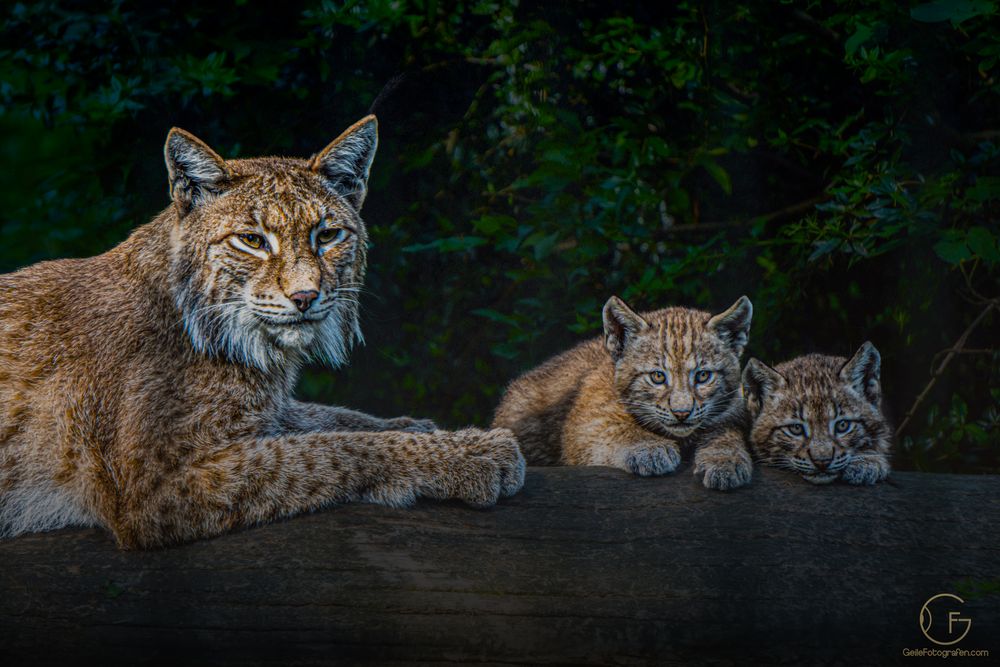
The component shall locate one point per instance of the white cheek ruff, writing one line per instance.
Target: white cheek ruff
(230, 331)
(234, 333)
(337, 335)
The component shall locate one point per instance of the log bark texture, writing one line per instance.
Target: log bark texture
(585, 566)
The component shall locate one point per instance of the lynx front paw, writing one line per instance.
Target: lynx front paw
(651, 459)
(723, 470)
(866, 471)
(475, 480)
(500, 447)
(443, 475)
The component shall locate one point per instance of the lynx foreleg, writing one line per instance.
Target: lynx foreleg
(254, 481)
(300, 417)
(724, 460)
(621, 443)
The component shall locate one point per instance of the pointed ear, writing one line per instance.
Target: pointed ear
(196, 173)
(733, 326)
(344, 164)
(862, 373)
(621, 324)
(759, 382)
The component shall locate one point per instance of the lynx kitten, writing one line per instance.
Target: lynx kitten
(820, 416)
(655, 383)
(149, 389)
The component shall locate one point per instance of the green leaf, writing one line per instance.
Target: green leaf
(955, 11)
(449, 244)
(985, 189)
(861, 35)
(976, 433)
(491, 224)
(719, 174)
(544, 245)
(984, 244)
(952, 252)
(823, 248)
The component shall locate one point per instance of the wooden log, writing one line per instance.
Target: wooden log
(585, 566)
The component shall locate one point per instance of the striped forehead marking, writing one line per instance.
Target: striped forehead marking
(287, 212)
(680, 345)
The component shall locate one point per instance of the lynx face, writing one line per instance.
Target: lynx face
(818, 415)
(680, 372)
(269, 253)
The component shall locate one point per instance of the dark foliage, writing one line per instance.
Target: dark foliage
(836, 161)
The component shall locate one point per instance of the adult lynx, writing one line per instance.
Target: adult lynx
(149, 389)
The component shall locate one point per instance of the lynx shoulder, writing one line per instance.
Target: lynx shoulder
(655, 383)
(149, 389)
(820, 416)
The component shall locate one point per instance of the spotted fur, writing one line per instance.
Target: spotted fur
(149, 389)
(602, 402)
(820, 416)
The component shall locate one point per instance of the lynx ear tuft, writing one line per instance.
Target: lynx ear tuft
(346, 161)
(862, 373)
(759, 382)
(621, 324)
(733, 326)
(196, 173)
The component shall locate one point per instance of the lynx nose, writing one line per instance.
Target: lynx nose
(680, 415)
(821, 463)
(303, 300)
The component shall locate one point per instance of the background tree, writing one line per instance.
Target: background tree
(837, 161)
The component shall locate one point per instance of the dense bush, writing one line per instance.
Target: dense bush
(837, 161)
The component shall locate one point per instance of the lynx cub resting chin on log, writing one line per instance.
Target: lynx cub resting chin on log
(149, 389)
(654, 383)
(821, 416)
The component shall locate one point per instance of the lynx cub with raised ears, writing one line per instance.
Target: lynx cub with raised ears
(149, 389)
(656, 382)
(820, 416)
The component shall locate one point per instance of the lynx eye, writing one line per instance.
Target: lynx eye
(255, 241)
(795, 430)
(701, 377)
(657, 377)
(331, 235)
(842, 426)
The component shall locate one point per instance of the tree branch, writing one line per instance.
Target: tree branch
(951, 353)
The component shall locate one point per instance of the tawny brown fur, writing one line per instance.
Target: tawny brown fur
(796, 407)
(149, 389)
(595, 404)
